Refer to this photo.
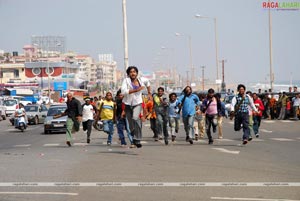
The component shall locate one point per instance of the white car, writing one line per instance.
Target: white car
(10, 106)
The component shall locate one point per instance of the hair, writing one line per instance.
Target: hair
(211, 91)
(118, 92)
(172, 94)
(130, 68)
(160, 88)
(240, 86)
(185, 88)
(218, 95)
(249, 92)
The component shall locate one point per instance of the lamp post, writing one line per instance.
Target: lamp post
(203, 67)
(270, 51)
(125, 37)
(216, 40)
(190, 54)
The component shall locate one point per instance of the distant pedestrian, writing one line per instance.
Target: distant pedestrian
(239, 106)
(199, 122)
(222, 112)
(283, 103)
(151, 116)
(88, 113)
(161, 106)
(296, 106)
(189, 103)
(173, 115)
(257, 116)
(132, 88)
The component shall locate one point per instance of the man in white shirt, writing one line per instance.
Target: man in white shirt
(132, 88)
(88, 112)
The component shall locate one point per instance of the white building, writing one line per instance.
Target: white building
(107, 70)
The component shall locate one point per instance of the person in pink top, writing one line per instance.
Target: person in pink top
(210, 108)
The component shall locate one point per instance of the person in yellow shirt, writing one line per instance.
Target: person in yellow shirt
(107, 113)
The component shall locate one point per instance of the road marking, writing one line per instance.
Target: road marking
(250, 199)
(80, 144)
(51, 145)
(23, 145)
(257, 140)
(37, 193)
(144, 142)
(269, 121)
(225, 140)
(226, 151)
(282, 139)
(266, 131)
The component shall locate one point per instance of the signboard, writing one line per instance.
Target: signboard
(218, 81)
(60, 86)
(67, 76)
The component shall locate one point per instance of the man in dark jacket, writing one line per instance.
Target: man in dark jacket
(74, 113)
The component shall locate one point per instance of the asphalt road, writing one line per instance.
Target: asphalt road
(35, 166)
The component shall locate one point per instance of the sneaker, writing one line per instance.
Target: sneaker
(250, 138)
(166, 141)
(210, 141)
(132, 146)
(214, 129)
(108, 143)
(68, 143)
(173, 138)
(187, 138)
(257, 135)
(88, 141)
(191, 141)
(245, 141)
(176, 130)
(156, 139)
(220, 137)
(139, 145)
(196, 137)
(160, 137)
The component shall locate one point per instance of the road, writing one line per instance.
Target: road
(35, 166)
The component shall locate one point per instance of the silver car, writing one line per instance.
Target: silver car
(55, 125)
(36, 113)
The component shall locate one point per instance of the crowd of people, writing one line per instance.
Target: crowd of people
(201, 114)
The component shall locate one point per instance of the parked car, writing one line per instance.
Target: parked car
(11, 106)
(55, 125)
(35, 114)
(227, 101)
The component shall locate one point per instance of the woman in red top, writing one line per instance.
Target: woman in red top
(257, 117)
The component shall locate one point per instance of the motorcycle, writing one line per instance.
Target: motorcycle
(20, 122)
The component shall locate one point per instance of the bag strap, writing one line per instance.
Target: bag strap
(239, 105)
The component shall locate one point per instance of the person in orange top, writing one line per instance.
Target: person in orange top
(151, 115)
(272, 106)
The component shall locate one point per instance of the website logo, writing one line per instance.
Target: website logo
(276, 5)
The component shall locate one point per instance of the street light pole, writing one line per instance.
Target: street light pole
(203, 77)
(270, 50)
(125, 35)
(216, 41)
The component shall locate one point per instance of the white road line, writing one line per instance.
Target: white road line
(23, 145)
(80, 144)
(225, 140)
(266, 131)
(257, 140)
(37, 193)
(144, 142)
(250, 199)
(226, 151)
(269, 121)
(282, 139)
(51, 145)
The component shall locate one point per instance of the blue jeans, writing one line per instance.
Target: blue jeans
(188, 123)
(121, 125)
(108, 127)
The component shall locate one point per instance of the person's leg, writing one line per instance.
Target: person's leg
(110, 132)
(186, 127)
(133, 116)
(246, 131)
(69, 125)
(208, 122)
(191, 128)
(220, 126)
(120, 129)
(159, 124)
(196, 129)
(202, 127)
(89, 130)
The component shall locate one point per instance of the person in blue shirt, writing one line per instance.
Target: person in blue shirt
(188, 103)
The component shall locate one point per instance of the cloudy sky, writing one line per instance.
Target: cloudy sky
(95, 27)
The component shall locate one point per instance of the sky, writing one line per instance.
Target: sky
(96, 27)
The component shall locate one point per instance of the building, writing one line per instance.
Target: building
(107, 71)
